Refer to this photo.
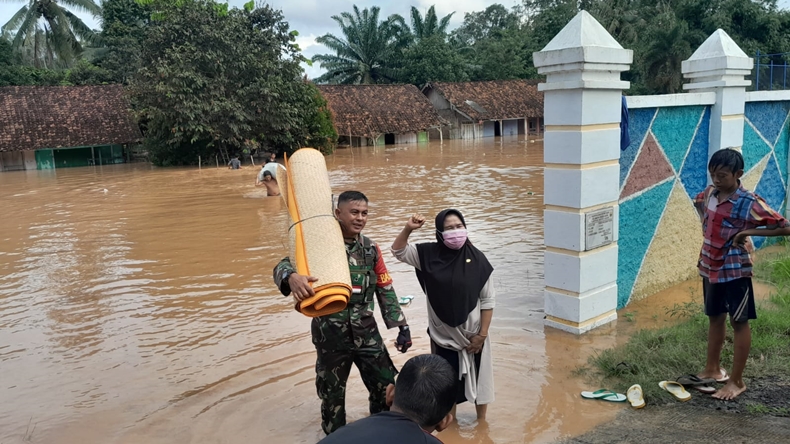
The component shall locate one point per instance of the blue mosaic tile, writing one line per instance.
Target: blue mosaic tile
(639, 219)
(638, 124)
(780, 150)
(694, 174)
(772, 190)
(674, 127)
(768, 117)
(754, 147)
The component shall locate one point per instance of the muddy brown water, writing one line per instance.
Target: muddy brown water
(137, 306)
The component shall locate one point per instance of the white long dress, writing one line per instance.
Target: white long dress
(478, 388)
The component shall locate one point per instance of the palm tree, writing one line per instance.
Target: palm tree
(49, 28)
(430, 25)
(366, 52)
(671, 44)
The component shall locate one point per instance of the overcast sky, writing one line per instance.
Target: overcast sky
(312, 18)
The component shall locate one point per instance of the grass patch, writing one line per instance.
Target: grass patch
(762, 409)
(651, 356)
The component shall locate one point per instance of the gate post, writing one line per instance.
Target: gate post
(582, 106)
(720, 65)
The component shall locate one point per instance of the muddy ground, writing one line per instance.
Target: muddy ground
(758, 416)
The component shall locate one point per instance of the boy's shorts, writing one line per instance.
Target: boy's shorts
(733, 297)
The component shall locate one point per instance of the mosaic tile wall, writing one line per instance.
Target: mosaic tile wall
(661, 172)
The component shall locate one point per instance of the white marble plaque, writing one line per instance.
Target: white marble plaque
(599, 227)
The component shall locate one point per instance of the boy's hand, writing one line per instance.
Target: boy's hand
(740, 239)
(415, 222)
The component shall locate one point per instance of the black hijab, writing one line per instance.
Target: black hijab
(452, 279)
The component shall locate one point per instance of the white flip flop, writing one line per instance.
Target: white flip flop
(635, 396)
(675, 389)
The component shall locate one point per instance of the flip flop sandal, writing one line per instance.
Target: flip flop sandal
(635, 396)
(694, 380)
(725, 378)
(675, 389)
(706, 389)
(604, 395)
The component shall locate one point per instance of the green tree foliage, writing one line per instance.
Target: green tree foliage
(487, 24)
(663, 33)
(50, 33)
(124, 27)
(367, 50)
(430, 25)
(432, 59)
(211, 77)
(318, 131)
(494, 44)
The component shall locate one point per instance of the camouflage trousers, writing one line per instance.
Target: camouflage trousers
(337, 347)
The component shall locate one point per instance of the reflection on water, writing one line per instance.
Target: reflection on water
(136, 304)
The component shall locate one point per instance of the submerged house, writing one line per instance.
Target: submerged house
(380, 114)
(488, 109)
(46, 127)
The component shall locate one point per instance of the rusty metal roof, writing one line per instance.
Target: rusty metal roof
(372, 110)
(493, 100)
(33, 117)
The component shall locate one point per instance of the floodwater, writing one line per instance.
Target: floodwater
(137, 306)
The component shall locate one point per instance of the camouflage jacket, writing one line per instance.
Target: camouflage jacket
(369, 277)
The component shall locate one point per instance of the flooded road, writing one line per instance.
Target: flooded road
(137, 306)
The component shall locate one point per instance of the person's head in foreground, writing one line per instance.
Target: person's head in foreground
(267, 176)
(726, 168)
(425, 391)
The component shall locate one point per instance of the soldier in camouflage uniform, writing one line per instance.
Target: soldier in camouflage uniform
(352, 336)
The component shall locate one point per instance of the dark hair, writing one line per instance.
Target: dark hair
(267, 173)
(351, 196)
(726, 158)
(425, 390)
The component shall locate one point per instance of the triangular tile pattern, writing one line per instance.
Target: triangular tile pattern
(639, 121)
(781, 148)
(650, 168)
(752, 178)
(771, 189)
(661, 265)
(674, 129)
(694, 174)
(754, 147)
(639, 218)
(768, 117)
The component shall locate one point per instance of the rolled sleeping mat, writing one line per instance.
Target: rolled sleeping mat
(317, 246)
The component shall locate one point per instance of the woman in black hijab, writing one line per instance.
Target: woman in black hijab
(456, 278)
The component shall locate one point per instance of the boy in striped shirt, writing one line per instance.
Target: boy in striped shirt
(730, 214)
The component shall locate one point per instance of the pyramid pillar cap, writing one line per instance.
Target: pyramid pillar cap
(718, 62)
(583, 55)
(583, 40)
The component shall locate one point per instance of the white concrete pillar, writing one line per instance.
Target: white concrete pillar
(720, 65)
(582, 96)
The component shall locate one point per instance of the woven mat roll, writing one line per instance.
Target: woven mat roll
(317, 247)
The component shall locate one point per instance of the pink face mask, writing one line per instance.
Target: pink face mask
(454, 239)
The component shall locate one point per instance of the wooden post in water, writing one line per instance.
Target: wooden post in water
(216, 157)
(100, 161)
(93, 157)
(199, 164)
